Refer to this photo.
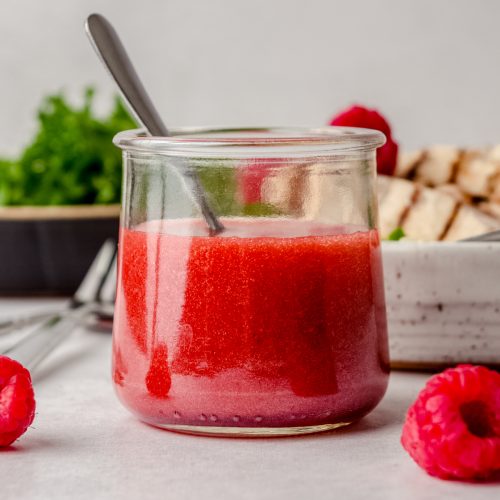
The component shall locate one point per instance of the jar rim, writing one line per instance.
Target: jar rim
(210, 141)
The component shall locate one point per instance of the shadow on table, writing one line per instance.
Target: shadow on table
(53, 366)
(391, 411)
(29, 443)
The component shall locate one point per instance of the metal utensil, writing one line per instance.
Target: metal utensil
(112, 53)
(105, 310)
(492, 236)
(23, 321)
(33, 348)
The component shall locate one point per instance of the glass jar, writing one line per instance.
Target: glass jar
(274, 326)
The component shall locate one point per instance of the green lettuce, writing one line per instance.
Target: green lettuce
(71, 160)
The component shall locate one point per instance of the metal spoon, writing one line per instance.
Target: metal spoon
(111, 51)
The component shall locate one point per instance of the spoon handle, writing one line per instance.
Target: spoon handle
(111, 51)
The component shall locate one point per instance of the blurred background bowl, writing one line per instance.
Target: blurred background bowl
(49, 249)
(443, 303)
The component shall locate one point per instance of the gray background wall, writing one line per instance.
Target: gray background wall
(432, 66)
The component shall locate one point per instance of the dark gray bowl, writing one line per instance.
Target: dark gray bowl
(49, 249)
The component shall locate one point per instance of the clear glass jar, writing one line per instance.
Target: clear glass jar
(274, 326)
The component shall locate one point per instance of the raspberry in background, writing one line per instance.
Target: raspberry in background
(250, 179)
(359, 116)
(452, 430)
(17, 400)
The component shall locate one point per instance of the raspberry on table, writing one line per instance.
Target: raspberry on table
(17, 400)
(452, 430)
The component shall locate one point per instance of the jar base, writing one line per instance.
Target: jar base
(249, 432)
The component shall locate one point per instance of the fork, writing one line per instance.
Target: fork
(81, 296)
(94, 293)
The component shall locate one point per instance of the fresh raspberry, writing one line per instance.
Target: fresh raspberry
(387, 156)
(452, 430)
(359, 116)
(17, 400)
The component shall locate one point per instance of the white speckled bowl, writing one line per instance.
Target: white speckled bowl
(443, 303)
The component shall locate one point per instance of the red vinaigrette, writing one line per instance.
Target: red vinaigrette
(248, 330)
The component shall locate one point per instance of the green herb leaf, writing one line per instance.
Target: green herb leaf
(396, 235)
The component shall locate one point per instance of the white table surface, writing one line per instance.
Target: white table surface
(84, 445)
